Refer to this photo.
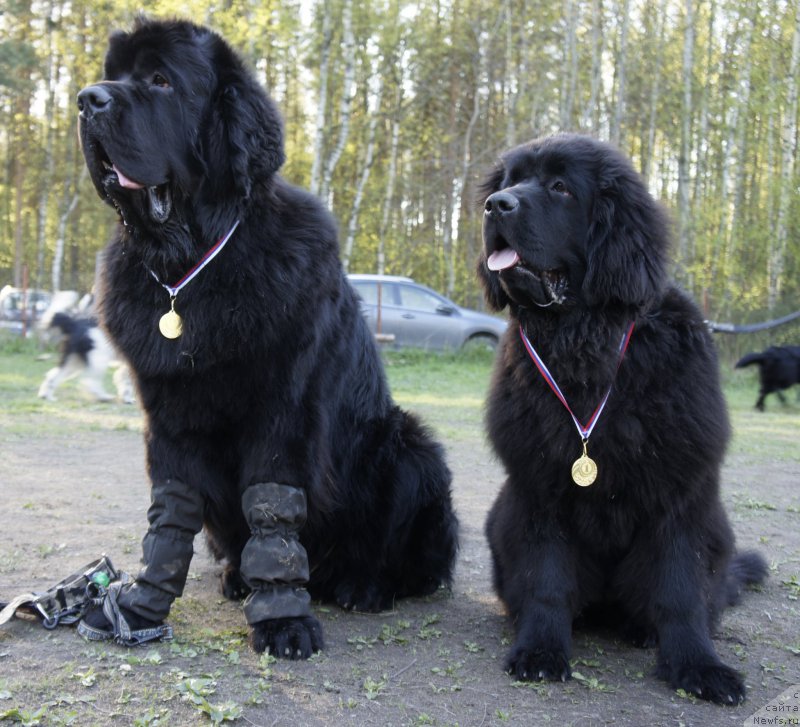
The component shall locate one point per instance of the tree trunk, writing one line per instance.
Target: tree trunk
(388, 201)
(777, 251)
(738, 140)
(322, 101)
(61, 233)
(363, 179)
(346, 105)
(621, 73)
(51, 80)
(686, 143)
(649, 144)
(569, 77)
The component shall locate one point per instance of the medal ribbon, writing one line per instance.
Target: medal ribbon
(173, 290)
(584, 430)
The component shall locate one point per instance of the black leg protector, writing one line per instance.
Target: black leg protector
(274, 562)
(175, 517)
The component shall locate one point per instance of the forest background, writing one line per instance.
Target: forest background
(394, 111)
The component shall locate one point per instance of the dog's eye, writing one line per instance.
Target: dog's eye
(561, 188)
(159, 80)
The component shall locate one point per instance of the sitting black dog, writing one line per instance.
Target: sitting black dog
(778, 369)
(269, 419)
(575, 247)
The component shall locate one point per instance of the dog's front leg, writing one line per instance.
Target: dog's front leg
(134, 611)
(679, 594)
(175, 517)
(275, 566)
(540, 597)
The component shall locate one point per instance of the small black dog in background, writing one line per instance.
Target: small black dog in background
(778, 369)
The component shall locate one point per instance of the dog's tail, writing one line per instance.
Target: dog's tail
(749, 359)
(746, 569)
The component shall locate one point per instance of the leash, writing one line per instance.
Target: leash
(67, 601)
(715, 327)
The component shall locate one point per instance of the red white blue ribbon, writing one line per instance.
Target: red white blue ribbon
(173, 290)
(585, 430)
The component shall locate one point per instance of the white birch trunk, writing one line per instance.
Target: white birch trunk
(388, 201)
(590, 112)
(61, 232)
(369, 156)
(345, 108)
(777, 251)
(622, 60)
(686, 143)
(322, 101)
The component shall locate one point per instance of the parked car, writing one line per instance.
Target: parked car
(21, 309)
(404, 313)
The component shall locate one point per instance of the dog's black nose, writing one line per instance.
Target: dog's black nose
(93, 99)
(501, 203)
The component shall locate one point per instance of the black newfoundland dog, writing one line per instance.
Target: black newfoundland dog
(778, 369)
(269, 419)
(622, 521)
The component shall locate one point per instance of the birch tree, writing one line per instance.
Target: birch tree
(777, 249)
(684, 180)
(346, 104)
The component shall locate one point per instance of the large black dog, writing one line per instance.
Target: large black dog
(269, 420)
(778, 369)
(575, 248)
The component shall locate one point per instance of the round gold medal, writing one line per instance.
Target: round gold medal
(584, 471)
(170, 325)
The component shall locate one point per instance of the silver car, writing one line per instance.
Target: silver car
(403, 313)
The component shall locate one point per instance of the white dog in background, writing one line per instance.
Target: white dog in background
(85, 352)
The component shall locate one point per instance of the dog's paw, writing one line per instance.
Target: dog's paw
(714, 682)
(287, 638)
(232, 584)
(535, 665)
(369, 598)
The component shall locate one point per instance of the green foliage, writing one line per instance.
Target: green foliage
(197, 690)
(459, 80)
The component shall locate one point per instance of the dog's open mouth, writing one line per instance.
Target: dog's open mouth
(549, 286)
(159, 196)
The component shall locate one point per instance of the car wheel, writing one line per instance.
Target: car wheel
(480, 342)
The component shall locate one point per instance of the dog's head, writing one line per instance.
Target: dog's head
(177, 121)
(567, 222)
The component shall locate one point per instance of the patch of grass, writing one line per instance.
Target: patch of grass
(373, 688)
(24, 415)
(743, 502)
(448, 390)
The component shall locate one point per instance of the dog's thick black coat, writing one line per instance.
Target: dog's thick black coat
(275, 377)
(577, 251)
(778, 369)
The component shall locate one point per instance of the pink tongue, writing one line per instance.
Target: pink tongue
(502, 259)
(125, 182)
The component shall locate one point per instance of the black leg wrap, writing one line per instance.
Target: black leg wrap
(175, 516)
(274, 562)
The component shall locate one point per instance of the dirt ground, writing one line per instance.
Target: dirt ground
(67, 497)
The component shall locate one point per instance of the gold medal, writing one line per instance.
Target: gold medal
(171, 324)
(584, 469)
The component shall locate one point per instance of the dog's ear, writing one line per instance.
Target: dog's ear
(243, 140)
(627, 241)
(493, 292)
